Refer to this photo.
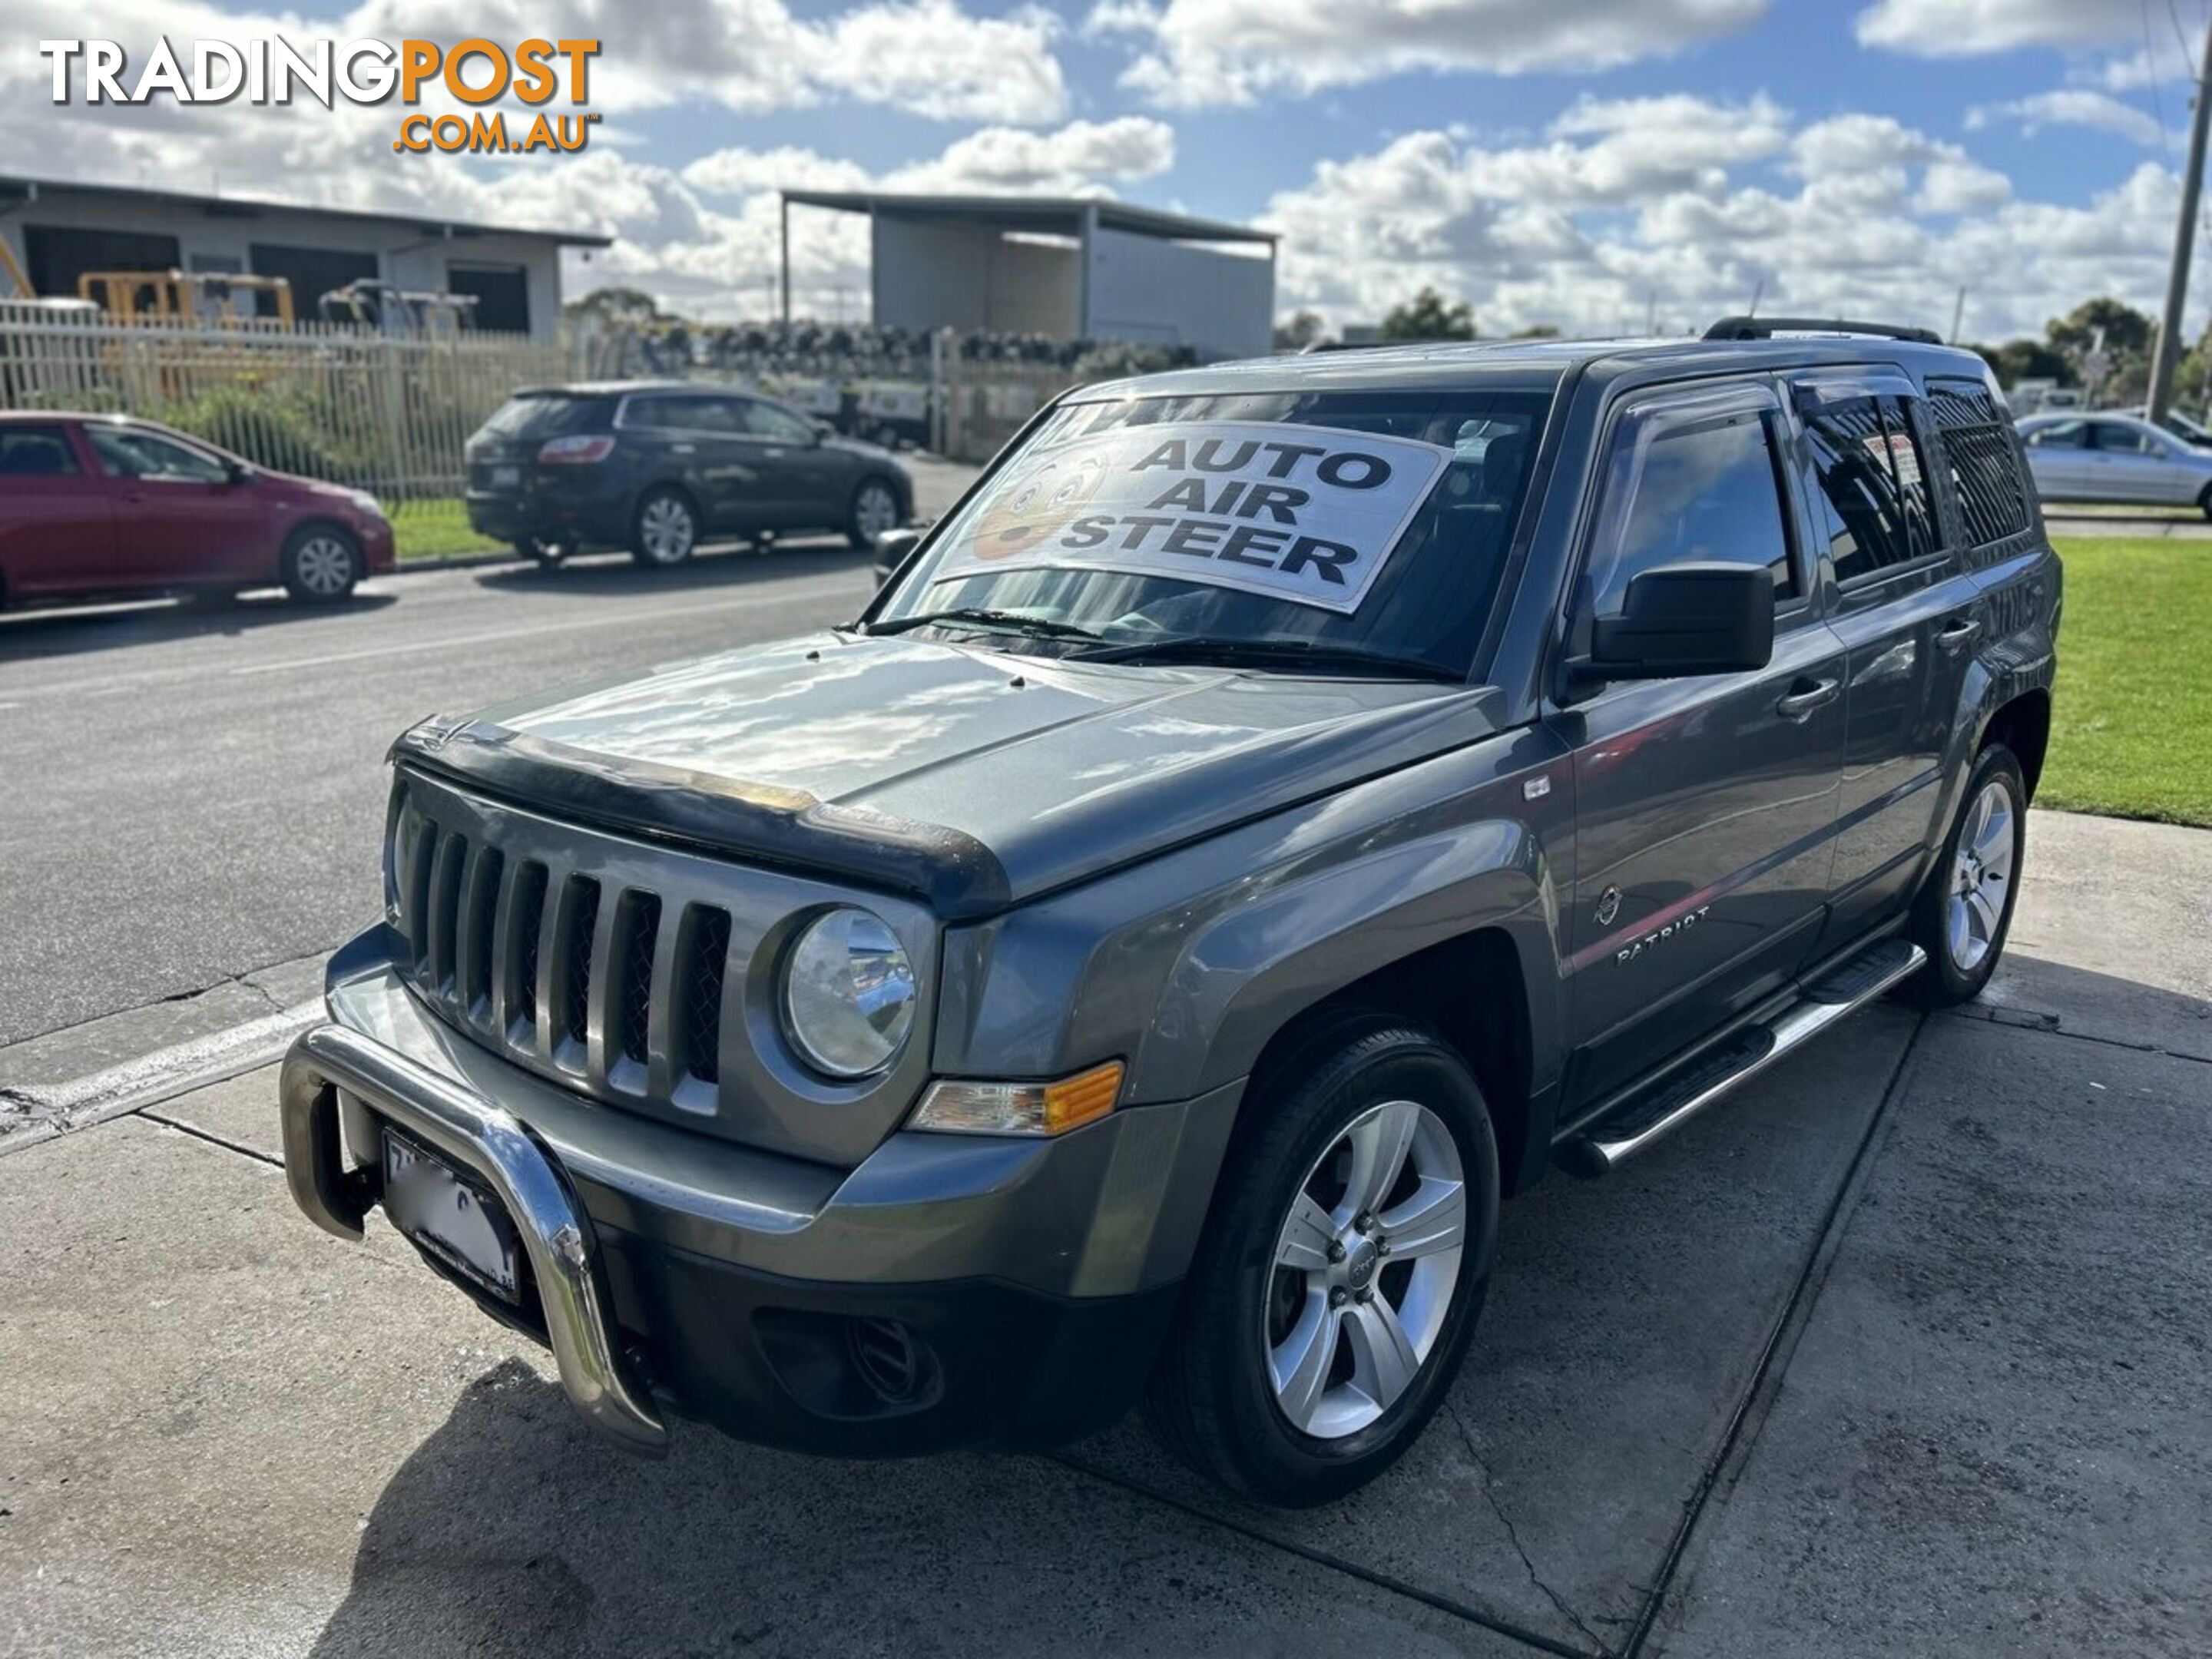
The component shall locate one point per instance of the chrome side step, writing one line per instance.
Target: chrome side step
(1642, 1118)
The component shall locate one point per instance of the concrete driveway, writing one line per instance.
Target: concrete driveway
(1902, 1350)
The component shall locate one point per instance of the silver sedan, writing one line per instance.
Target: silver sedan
(2115, 457)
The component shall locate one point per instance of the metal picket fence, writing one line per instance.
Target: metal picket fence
(382, 413)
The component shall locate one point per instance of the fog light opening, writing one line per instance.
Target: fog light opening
(886, 1357)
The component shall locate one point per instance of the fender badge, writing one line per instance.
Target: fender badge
(1609, 906)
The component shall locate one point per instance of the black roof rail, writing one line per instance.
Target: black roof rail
(1766, 328)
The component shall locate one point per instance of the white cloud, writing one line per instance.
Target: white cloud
(1204, 52)
(2074, 107)
(1074, 160)
(1965, 29)
(1857, 214)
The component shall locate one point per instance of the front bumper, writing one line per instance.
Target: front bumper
(1029, 1281)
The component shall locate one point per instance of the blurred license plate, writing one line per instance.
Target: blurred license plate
(452, 1217)
(503, 475)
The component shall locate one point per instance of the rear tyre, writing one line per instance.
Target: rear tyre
(2204, 501)
(875, 510)
(1342, 1267)
(1964, 909)
(321, 564)
(665, 529)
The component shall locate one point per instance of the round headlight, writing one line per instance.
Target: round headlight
(849, 993)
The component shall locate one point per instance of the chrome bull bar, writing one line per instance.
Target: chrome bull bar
(470, 1131)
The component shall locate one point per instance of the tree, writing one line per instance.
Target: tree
(615, 305)
(2029, 360)
(1301, 331)
(1426, 317)
(1537, 331)
(2127, 332)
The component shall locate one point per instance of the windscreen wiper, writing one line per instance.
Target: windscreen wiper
(1282, 653)
(977, 615)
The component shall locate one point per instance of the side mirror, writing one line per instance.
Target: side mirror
(239, 471)
(1684, 619)
(893, 548)
(821, 428)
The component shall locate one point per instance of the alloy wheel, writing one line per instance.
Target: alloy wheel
(1981, 876)
(1365, 1264)
(323, 567)
(875, 511)
(667, 530)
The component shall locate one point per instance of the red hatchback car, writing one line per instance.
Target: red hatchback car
(103, 506)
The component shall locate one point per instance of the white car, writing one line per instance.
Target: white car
(2115, 457)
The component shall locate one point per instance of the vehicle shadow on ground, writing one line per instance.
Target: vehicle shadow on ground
(29, 636)
(610, 575)
(513, 1530)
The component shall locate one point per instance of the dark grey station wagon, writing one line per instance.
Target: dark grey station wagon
(1284, 810)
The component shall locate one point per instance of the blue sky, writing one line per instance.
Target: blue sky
(1587, 163)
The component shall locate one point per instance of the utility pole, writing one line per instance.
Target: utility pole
(1959, 314)
(2168, 351)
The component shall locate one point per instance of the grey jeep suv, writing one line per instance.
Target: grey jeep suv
(1282, 811)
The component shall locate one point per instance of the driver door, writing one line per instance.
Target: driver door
(1706, 805)
(179, 516)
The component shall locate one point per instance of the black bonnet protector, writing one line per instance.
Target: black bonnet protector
(954, 873)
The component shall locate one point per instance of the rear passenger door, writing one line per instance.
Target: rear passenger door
(1703, 804)
(1907, 615)
(693, 439)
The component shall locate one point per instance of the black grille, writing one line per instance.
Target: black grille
(480, 951)
(529, 924)
(575, 962)
(532, 954)
(636, 1011)
(703, 993)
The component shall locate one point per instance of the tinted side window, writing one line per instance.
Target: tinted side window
(2066, 435)
(35, 451)
(129, 455)
(2120, 438)
(1873, 501)
(767, 421)
(1977, 441)
(1704, 491)
(679, 414)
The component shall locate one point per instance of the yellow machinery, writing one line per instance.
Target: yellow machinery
(14, 272)
(206, 296)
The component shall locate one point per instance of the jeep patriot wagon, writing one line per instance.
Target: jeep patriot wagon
(1282, 810)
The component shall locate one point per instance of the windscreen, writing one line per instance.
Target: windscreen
(1374, 520)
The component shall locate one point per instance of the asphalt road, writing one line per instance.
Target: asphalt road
(191, 795)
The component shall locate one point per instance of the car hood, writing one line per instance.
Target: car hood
(974, 777)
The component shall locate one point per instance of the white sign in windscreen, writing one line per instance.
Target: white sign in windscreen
(1299, 513)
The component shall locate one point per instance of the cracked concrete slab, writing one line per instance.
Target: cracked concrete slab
(1625, 1320)
(1991, 1437)
(228, 1434)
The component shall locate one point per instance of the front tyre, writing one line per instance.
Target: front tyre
(875, 510)
(1964, 909)
(1336, 1286)
(665, 529)
(321, 564)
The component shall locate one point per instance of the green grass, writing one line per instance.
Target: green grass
(436, 530)
(2132, 720)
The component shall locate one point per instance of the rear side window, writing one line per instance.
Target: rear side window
(682, 414)
(1977, 441)
(35, 451)
(1873, 503)
(549, 415)
(1690, 489)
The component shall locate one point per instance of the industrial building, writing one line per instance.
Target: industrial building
(1067, 268)
(57, 231)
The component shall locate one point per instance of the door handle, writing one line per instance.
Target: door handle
(1957, 632)
(1805, 696)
